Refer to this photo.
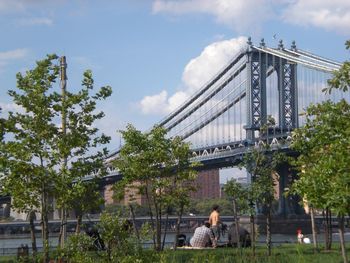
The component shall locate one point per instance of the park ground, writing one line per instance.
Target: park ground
(280, 254)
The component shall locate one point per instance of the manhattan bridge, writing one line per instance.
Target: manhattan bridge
(222, 120)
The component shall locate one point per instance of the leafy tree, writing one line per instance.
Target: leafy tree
(324, 159)
(204, 206)
(239, 201)
(37, 146)
(324, 145)
(262, 163)
(158, 168)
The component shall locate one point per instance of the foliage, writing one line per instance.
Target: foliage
(37, 148)
(341, 78)
(204, 206)
(119, 239)
(157, 168)
(77, 249)
(235, 190)
(324, 144)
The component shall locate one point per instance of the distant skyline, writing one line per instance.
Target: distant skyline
(155, 54)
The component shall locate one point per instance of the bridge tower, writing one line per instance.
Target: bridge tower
(260, 65)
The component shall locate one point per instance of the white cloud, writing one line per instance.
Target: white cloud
(8, 56)
(155, 104)
(35, 21)
(6, 107)
(214, 57)
(240, 15)
(330, 15)
(196, 73)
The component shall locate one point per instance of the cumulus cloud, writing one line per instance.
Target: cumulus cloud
(8, 56)
(240, 15)
(7, 107)
(330, 15)
(196, 73)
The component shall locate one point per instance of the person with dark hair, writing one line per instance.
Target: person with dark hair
(202, 237)
(244, 236)
(214, 221)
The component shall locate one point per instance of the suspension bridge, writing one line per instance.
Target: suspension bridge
(223, 119)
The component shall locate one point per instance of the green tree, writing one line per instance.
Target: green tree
(153, 166)
(324, 145)
(36, 145)
(239, 201)
(324, 158)
(262, 163)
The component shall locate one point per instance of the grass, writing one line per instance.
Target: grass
(286, 253)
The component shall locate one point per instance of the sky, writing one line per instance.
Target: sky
(156, 53)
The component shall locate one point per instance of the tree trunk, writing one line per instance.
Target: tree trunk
(313, 227)
(252, 231)
(158, 224)
(62, 235)
(328, 229)
(342, 240)
(79, 221)
(45, 227)
(132, 214)
(150, 214)
(236, 223)
(178, 222)
(32, 233)
(268, 231)
(165, 228)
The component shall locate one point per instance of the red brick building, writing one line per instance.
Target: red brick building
(208, 185)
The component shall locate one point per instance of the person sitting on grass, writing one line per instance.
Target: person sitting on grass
(243, 236)
(203, 237)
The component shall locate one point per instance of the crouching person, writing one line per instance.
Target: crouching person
(243, 237)
(203, 237)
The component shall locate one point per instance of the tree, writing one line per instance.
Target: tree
(239, 202)
(324, 144)
(158, 168)
(36, 145)
(262, 163)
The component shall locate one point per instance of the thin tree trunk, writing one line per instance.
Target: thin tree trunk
(132, 214)
(252, 231)
(150, 214)
(79, 221)
(177, 231)
(165, 228)
(326, 229)
(330, 231)
(158, 224)
(63, 224)
(45, 229)
(32, 233)
(342, 240)
(313, 227)
(268, 231)
(236, 223)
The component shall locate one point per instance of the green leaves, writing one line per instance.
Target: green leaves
(36, 145)
(324, 144)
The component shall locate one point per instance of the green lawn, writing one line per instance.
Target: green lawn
(284, 253)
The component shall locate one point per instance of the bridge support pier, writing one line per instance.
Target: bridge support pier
(287, 205)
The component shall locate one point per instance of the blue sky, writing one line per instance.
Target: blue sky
(154, 54)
